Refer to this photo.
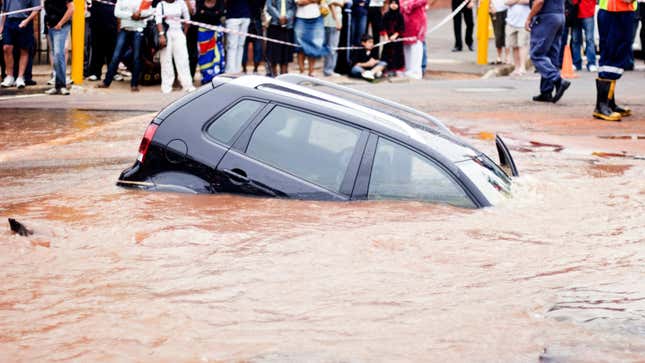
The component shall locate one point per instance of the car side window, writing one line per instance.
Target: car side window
(227, 124)
(400, 173)
(310, 147)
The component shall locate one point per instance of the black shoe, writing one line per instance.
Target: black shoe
(543, 97)
(470, 48)
(30, 82)
(560, 87)
(456, 49)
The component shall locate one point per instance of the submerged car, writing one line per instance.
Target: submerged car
(299, 137)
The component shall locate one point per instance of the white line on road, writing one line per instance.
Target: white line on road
(20, 96)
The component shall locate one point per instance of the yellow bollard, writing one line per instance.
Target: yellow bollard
(78, 41)
(483, 19)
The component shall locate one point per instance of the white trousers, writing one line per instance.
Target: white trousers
(413, 57)
(175, 49)
(235, 44)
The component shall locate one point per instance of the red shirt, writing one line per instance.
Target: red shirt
(586, 8)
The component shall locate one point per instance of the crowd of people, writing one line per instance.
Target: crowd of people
(139, 33)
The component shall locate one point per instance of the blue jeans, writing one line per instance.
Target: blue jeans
(124, 40)
(357, 70)
(359, 25)
(332, 36)
(546, 39)
(57, 38)
(586, 25)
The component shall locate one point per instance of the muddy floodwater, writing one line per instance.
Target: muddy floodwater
(119, 275)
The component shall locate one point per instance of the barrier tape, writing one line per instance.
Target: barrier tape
(27, 10)
(221, 29)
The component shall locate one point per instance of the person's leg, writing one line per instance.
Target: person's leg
(576, 45)
(543, 41)
(232, 45)
(311, 62)
(456, 25)
(301, 62)
(328, 66)
(590, 45)
(376, 20)
(137, 40)
(58, 38)
(413, 60)
(641, 9)
(424, 58)
(191, 44)
(98, 51)
(468, 19)
(379, 68)
(356, 71)
(24, 59)
(258, 52)
(243, 27)
(8, 59)
(2, 64)
(167, 69)
(615, 43)
(121, 41)
(284, 68)
(180, 54)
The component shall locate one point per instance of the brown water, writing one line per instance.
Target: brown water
(119, 275)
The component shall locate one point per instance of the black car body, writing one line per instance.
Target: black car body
(275, 137)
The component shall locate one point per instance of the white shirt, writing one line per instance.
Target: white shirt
(310, 11)
(517, 15)
(499, 5)
(123, 9)
(375, 3)
(173, 12)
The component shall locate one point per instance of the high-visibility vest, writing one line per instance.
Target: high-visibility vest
(617, 5)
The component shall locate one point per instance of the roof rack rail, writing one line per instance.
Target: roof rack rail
(301, 80)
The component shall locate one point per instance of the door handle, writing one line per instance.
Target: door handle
(237, 175)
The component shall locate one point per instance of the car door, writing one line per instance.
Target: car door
(391, 170)
(297, 154)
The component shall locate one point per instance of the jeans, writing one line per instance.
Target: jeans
(357, 70)
(235, 44)
(586, 25)
(332, 36)
(124, 40)
(57, 39)
(359, 25)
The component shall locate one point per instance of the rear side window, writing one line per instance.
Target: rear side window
(400, 173)
(227, 124)
(310, 147)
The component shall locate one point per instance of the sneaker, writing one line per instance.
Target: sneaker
(63, 91)
(68, 80)
(8, 81)
(368, 75)
(52, 81)
(190, 89)
(118, 77)
(593, 68)
(378, 74)
(52, 91)
(20, 82)
(93, 78)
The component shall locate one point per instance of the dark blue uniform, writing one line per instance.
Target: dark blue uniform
(546, 39)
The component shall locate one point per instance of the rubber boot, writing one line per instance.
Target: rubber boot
(603, 111)
(623, 111)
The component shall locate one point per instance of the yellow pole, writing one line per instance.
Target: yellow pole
(483, 18)
(78, 41)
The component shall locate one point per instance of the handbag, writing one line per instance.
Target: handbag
(164, 26)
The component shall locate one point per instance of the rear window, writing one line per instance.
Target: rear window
(227, 124)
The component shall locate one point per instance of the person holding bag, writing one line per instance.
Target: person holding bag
(173, 44)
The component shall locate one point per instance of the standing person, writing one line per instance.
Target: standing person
(173, 44)
(375, 18)
(255, 28)
(414, 17)
(615, 27)
(467, 14)
(283, 13)
(517, 38)
(18, 32)
(57, 19)
(103, 38)
(359, 20)
(498, 11)
(309, 31)
(333, 25)
(546, 24)
(393, 26)
(130, 36)
(641, 18)
(586, 21)
(238, 18)
(211, 60)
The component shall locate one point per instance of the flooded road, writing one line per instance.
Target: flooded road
(120, 275)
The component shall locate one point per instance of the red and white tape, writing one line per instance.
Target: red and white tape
(27, 10)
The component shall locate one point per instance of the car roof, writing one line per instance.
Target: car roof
(438, 139)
